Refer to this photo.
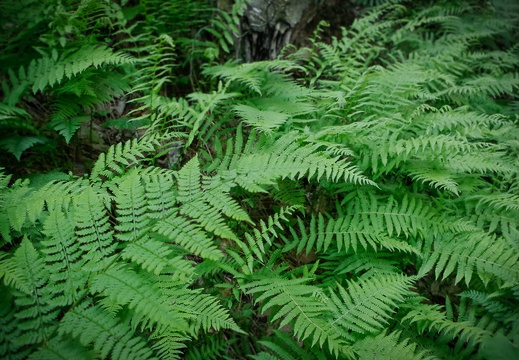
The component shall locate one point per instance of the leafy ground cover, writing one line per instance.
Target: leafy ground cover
(356, 198)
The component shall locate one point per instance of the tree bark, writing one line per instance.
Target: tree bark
(269, 25)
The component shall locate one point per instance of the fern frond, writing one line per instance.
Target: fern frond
(93, 229)
(119, 157)
(366, 305)
(36, 309)
(131, 207)
(189, 181)
(161, 195)
(477, 253)
(206, 312)
(364, 264)
(216, 193)
(108, 336)
(252, 75)
(389, 346)
(264, 160)
(125, 287)
(189, 235)
(497, 303)
(63, 256)
(282, 346)
(155, 256)
(298, 304)
(59, 348)
(211, 347)
(432, 318)
(267, 232)
(168, 344)
(46, 72)
(348, 231)
(16, 145)
(437, 178)
(263, 120)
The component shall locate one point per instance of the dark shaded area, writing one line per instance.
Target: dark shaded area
(268, 26)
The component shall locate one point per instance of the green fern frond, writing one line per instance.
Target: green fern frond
(108, 336)
(266, 233)
(10, 330)
(119, 157)
(157, 257)
(265, 160)
(297, 304)
(125, 287)
(93, 228)
(216, 193)
(283, 347)
(46, 72)
(263, 120)
(437, 178)
(468, 254)
(498, 201)
(16, 145)
(389, 346)
(189, 181)
(211, 347)
(206, 312)
(59, 348)
(131, 207)
(363, 264)
(63, 256)
(432, 318)
(194, 201)
(189, 235)
(36, 309)
(366, 305)
(209, 217)
(169, 345)
(252, 75)
(350, 231)
(495, 303)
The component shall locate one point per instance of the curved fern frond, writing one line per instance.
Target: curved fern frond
(189, 235)
(366, 305)
(282, 346)
(298, 304)
(120, 157)
(206, 312)
(36, 308)
(125, 287)
(61, 347)
(157, 257)
(389, 346)
(473, 253)
(109, 337)
(47, 72)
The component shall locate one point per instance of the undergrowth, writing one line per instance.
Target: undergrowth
(350, 200)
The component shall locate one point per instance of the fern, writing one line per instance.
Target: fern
(35, 304)
(352, 199)
(298, 302)
(367, 305)
(388, 346)
(88, 325)
(45, 72)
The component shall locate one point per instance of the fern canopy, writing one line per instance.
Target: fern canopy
(356, 198)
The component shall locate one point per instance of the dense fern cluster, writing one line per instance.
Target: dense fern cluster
(351, 200)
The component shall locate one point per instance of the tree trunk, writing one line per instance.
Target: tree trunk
(269, 25)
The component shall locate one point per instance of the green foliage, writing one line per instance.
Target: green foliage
(352, 200)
